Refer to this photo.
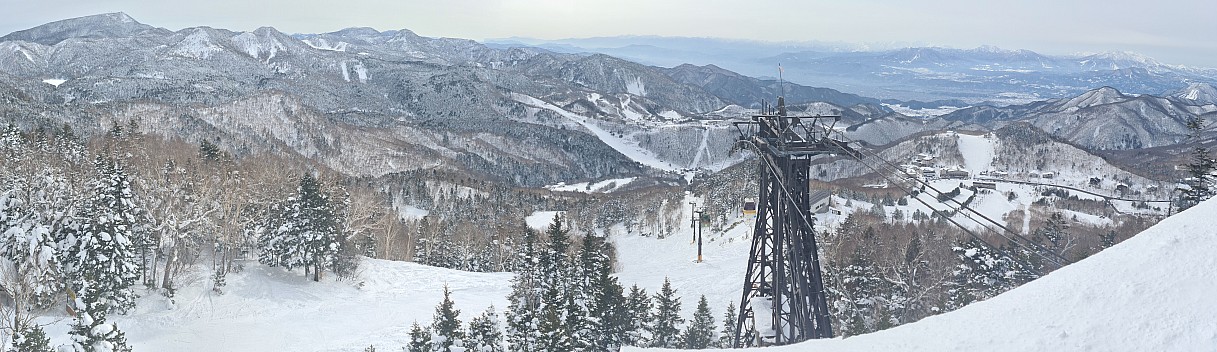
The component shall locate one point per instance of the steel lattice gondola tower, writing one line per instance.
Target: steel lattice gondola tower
(784, 299)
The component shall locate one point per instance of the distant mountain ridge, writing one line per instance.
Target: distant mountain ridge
(893, 71)
(108, 25)
(1103, 118)
(371, 102)
(364, 101)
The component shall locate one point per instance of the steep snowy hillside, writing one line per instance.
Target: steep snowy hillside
(1149, 293)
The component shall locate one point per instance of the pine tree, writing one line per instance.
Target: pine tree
(31, 338)
(863, 292)
(524, 300)
(610, 324)
(555, 263)
(556, 303)
(90, 331)
(1107, 240)
(726, 337)
(484, 333)
(446, 326)
(665, 328)
(1201, 170)
(983, 273)
(420, 339)
(577, 330)
(101, 256)
(602, 324)
(700, 332)
(28, 243)
(593, 262)
(305, 232)
(209, 151)
(11, 142)
(639, 306)
(552, 333)
(1053, 235)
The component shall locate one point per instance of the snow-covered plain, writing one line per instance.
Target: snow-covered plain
(1152, 292)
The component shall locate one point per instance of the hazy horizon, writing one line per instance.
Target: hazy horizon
(1182, 37)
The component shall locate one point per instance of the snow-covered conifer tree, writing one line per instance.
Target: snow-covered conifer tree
(665, 327)
(1053, 235)
(31, 249)
(523, 310)
(420, 339)
(90, 330)
(1201, 170)
(484, 334)
(31, 338)
(700, 332)
(553, 335)
(100, 257)
(447, 335)
(864, 291)
(639, 306)
(305, 232)
(726, 337)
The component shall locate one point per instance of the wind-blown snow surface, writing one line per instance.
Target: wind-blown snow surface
(1152, 292)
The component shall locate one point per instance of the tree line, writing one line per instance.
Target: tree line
(564, 298)
(89, 221)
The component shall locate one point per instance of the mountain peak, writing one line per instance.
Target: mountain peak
(1099, 96)
(357, 31)
(119, 16)
(107, 25)
(1123, 59)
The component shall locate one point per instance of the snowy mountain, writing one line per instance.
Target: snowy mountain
(428, 102)
(985, 73)
(1146, 293)
(748, 91)
(1007, 152)
(1197, 94)
(461, 105)
(974, 75)
(110, 25)
(1100, 119)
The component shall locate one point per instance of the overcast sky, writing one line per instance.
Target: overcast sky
(1172, 31)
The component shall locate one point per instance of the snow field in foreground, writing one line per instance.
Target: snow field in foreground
(268, 309)
(1151, 292)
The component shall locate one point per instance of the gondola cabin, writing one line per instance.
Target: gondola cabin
(749, 207)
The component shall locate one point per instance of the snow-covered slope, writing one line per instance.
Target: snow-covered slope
(268, 309)
(1152, 292)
